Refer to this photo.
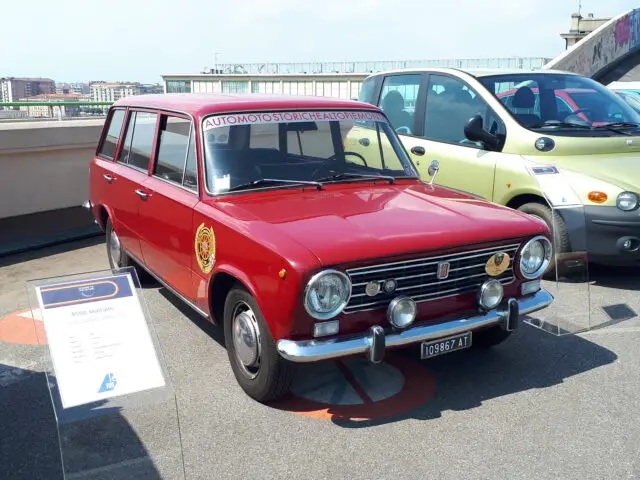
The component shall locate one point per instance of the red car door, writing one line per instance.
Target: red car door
(165, 217)
(130, 175)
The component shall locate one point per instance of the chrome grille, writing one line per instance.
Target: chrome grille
(418, 278)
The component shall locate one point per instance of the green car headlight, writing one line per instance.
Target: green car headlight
(627, 201)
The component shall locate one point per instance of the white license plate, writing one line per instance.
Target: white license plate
(445, 345)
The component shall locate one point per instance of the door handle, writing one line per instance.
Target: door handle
(108, 178)
(142, 195)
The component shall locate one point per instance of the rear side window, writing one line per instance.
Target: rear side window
(110, 142)
(138, 142)
(172, 149)
(368, 91)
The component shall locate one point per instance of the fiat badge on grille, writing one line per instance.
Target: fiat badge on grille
(443, 270)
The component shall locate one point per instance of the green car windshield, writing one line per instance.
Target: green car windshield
(550, 100)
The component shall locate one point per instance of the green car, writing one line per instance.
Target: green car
(500, 134)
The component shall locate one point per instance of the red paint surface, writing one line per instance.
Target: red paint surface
(300, 230)
(22, 330)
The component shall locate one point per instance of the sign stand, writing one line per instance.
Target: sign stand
(115, 408)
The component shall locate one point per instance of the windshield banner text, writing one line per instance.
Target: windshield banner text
(290, 117)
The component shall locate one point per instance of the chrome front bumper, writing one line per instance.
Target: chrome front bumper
(375, 341)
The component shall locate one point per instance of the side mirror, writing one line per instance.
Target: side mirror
(434, 167)
(474, 131)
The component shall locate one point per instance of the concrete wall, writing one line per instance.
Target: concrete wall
(45, 165)
(602, 48)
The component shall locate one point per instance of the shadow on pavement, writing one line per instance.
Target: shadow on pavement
(530, 360)
(47, 251)
(624, 278)
(214, 331)
(101, 446)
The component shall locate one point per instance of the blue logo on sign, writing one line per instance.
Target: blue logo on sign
(108, 384)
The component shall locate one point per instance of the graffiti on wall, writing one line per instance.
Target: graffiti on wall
(603, 47)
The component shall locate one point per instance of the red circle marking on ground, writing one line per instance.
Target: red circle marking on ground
(20, 328)
(418, 387)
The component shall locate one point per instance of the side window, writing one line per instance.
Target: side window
(191, 170)
(367, 91)
(398, 101)
(172, 148)
(110, 142)
(450, 105)
(138, 144)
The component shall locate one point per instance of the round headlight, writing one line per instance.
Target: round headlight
(535, 257)
(327, 293)
(402, 312)
(491, 294)
(627, 201)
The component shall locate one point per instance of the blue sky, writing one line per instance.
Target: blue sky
(112, 40)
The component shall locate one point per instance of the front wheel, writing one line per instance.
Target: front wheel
(558, 229)
(261, 372)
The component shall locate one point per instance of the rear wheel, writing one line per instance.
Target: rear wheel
(117, 256)
(261, 372)
(558, 229)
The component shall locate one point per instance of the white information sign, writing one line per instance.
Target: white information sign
(99, 339)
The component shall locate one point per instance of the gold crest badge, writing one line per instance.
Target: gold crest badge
(498, 264)
(205, 248)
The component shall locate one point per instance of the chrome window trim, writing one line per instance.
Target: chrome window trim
(161, 110)
(184, 165)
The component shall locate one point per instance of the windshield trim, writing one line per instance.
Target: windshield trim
(533, 76)
(395, 141)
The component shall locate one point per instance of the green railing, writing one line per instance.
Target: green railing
(72, 110)
(55, 104)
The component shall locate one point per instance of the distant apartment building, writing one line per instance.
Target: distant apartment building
(79, 88)
(112, 92)
(12, 89)
(52, 109)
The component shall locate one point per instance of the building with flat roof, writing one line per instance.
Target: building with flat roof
(52, 110)
(329, 79)
(581, 27)
(113, 91)
(12, 88)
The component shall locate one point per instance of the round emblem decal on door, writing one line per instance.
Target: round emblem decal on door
(205, 248)
(498, 264)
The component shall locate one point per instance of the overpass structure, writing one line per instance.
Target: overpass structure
(608, 54)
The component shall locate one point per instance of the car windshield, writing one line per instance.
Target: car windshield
(542, 101)
(279, 149)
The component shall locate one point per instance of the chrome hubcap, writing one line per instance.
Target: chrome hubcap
(114, 248)
(246, 339)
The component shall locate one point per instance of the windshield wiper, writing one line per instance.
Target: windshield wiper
(242, 186)
(357, 176)
(552, 123)
(617, 126)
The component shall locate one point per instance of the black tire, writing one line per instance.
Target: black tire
(274, 375)
(561, 242)
(489, 337)
(122, 260)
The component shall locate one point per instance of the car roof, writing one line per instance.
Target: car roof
(203, 104)
(475, 72)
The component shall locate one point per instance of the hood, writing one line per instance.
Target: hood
(619, 169)
(350, 222)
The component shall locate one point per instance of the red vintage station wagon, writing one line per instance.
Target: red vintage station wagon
(253, 211)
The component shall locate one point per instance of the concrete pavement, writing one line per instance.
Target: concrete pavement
(537, 406)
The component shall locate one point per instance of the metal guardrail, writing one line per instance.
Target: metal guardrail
(274, 68)
(54, 104)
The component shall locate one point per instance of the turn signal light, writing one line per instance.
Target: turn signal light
(597, 197)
